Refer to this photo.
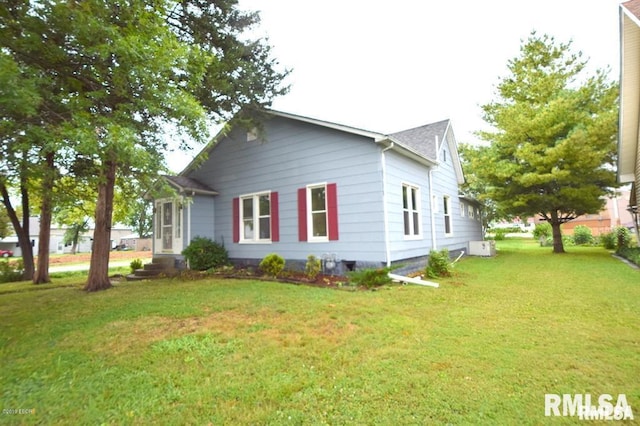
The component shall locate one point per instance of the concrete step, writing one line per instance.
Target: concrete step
(148, 272)
(168, 262)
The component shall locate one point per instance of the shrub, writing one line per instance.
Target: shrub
(370, 277)
(272, 264)
(204, 253)
(623, 238)
(630, 253)
(582, 235)
(312, 268)
(542, 230)
(608, 240)
(11, 271)
(439, 264)
(135, 264)
(500, 234)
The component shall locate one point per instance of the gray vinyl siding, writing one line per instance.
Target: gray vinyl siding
(463, 230)
(294, 155)
(202, 211)
(401, 170)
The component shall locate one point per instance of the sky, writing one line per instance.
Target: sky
(390, 66)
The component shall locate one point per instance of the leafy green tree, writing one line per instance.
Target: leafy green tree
(552, 150)
(113, 78)
(20, 101)
(5, 222)
(73, 234)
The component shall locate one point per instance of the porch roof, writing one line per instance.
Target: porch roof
(186, 185)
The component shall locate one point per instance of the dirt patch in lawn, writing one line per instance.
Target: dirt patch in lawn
(132, 336)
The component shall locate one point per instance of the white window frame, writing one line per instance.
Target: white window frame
(310, 237)
(446, 212)
(462, 207)
(252, 135)
(168, 234)
(470, 210)
(413, 212)
(256, 216)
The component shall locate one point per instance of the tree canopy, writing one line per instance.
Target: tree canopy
(552, 149)
(101, 80)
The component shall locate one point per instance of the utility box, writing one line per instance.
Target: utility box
(482, 248)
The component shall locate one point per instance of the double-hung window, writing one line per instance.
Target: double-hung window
(255, 211)
(317, 204)
(411, 211)
(447, 215)
(318, 213)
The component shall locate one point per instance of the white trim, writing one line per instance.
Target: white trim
(255, 201)
(446, 213)
(310, 237)
(434, 240)
(385, 207)
(411, 210)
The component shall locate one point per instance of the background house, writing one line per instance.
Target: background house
(613, 214)
(56, 241)
(307, 186)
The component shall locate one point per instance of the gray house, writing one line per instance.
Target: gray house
(351, 197)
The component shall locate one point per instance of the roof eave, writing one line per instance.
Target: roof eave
(190, 191)
(406, 151)
(629, 94)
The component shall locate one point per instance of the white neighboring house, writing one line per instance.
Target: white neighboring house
(56, 244)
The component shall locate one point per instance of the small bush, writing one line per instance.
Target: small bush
(370, 277)
(312, 268)
(11, 271)
(500, 234)
(439, 264)
(204, 253)
(135, 264)
(623, 238)
(272, 264)
(582, 235)
(542, 232)
(632, 254)
(608, 240)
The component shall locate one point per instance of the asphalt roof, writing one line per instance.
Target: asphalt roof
(425, 140)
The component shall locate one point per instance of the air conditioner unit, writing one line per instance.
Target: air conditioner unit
(482, 248)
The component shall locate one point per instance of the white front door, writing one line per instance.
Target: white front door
(168, 232)
(167, 226)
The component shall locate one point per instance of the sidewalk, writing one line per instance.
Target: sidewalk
(85, 266)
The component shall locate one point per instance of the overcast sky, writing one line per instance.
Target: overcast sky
(389, 66)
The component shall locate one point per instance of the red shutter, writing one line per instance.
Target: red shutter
(275, 218)
(235, 211)
(332, 209)
(302, 214)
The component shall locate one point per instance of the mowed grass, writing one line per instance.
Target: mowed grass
(484, 348)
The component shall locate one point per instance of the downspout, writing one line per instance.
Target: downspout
(434, 245)
(385, 208)
(434, 242)
(189, 218)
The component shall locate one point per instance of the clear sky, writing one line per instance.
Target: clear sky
(389, 66)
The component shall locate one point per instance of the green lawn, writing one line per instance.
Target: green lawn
(484, 348)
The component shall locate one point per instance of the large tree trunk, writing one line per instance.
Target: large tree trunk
(22, 230)
(42, 271)
(99, 267)
(558, 246)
